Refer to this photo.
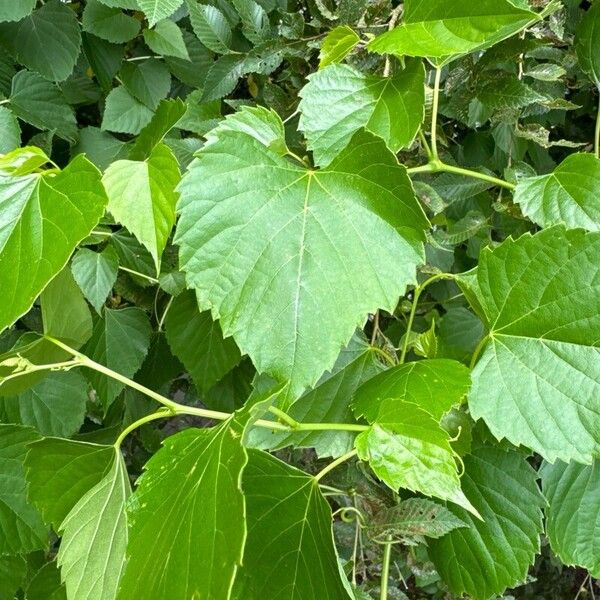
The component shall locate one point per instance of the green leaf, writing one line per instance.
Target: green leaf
(91, 555)
(42, 219)
(200, 117)
(13, 570)
(100, 147)
(339, 100)
(436, 29)
(191, 71)
(191, 493)
(42, 104)
(63, 296)
(587, 43)
(222, 76)
(15, 11)
(152, 182)
(10, 130)
(262, 124)
(283, 264)
(489, 555)
(21, 527)
(95, 274)
(289, 551)
(120, 342)
(434, 385)
(60, 472)
(573, 513)
(105, 59)
(198, 342)
(54, 406)
(338, 43)
(48, 40)
(537, 382)
(166, 39)
(124, 4)
(107, 23)
(46, 584)
(328, 402)
(156, 10)
(210, 26)
(255, 20)
(505, 91)
(148, 81)
(567, 195)
(123, 113)
(165, 118)
(414, 518)
(406, 448)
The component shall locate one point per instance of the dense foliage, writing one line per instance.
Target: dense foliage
(300, 299)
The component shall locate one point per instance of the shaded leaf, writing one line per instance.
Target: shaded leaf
(95, 274)
(494, 553)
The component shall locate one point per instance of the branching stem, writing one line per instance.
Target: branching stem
(413, 309)
(437, 166)
(332, 465)
(174, 408)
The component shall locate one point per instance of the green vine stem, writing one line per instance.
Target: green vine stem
(434, 113)
(385, 568)
(413, 309)
(175, 408)
(138, 274)
(160, 414)
(437, 166)
(332, 465)
(597, 132)
(478, 350)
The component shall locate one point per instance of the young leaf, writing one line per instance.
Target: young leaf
(587, 43)
(339, 100)
(437, 29)
(260, 123)
(414, 518)
(21, 527)
(48, 40)
(565, 196)
(573, 514)
(60, 295)
(123, 113)
(434, 385)
(289, 552)
(188, 497)
(107, 23)
(156, 10)
(166, 39)
(42, 104)
(283, 264)
(328, 402)
(91, 555)
(95, 274)
(120, 341)
(198, 342)
(494, 552)
(152, 182)
(537, 382)
(53, 214)
(407, 448)
(54, 406)
(59, 472)
(338, 43)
